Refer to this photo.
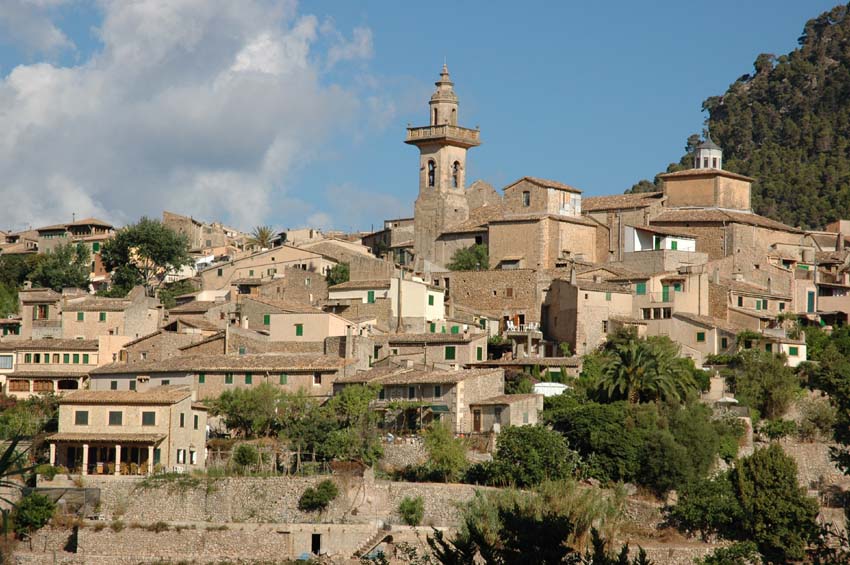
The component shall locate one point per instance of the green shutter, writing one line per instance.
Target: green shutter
(455, 329)
(66, 357)
(81, 316)
(103, 316)
(810, 303)
(283, 378)
(299, 330)
(228, 378)
(608, 296)
(740, 302)
(433, 327)
(202, 378)
(700, 337)
(665, 293)
(450, 353)
(76, 358)
(430, 300)
(85, 358)
(674, 245)
(249, 378)
(758, 304)
(677, 287)
(656, 242)
(479, 353)
(793, 351)
(370, 297)
(640, 288)
(266, 319)
(724, 343)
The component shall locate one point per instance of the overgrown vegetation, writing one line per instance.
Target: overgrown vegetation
(32, 513)
(412, 510)
(318, 498)
(473, 258)
(338, 274)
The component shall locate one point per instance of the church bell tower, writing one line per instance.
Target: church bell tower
(442, 170)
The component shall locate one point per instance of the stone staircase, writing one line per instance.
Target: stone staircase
(370, 543)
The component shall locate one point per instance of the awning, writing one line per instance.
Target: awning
(439, 408)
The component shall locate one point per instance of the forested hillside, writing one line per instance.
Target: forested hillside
(788, 125)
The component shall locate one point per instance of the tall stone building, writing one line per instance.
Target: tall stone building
(442, 144)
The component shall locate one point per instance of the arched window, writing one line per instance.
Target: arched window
(456, 174)
(454, 116)
(435, 116)
(432, 173)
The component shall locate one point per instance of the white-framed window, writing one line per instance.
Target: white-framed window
(181, 456)
(6, 361)
(193, 457)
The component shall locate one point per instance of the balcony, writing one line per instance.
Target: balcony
(454, 135)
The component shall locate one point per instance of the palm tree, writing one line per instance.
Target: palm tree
(639, 369)
(261, 237)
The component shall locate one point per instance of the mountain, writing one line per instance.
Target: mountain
(788, 126)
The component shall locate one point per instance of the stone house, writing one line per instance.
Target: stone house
(87, 317)
(264, 265)
(540, 240)
(699, 336)
(493, 414)
(432, 348)
(158, 345)
(41, 313)
(217, 313)
(210, 375)
(403, 304)
(130, 432)
(615, 213)
(203, 236)
(315, 326)
(412, 397)
(255, 312)
(293, 285)
(504, 295)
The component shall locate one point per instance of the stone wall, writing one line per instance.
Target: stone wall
(497, 293)
(273, 499)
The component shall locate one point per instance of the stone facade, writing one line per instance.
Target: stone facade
(501, 295)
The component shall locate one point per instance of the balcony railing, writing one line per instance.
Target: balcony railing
(463, 136)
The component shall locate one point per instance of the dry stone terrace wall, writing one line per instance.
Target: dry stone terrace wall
(274, 499)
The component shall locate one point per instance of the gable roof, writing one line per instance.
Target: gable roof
(167, 394)
(49, 344)
(428, 338)
(545, 183)
(620, 201)
(717, 215)
(285, 306)
(97, 304)
(705, 173)
(417, 375)
(708, 322)
(270, 362)
(362, 285)
(478, 219)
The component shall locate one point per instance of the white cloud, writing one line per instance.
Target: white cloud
(350, 208)
(200, 106)
(359, 47)
(27, 23)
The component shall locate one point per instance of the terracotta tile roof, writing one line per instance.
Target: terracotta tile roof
(206, 340)
(751, 288)
(106, 437)
(271, 362)
(545, 183)
(53, 227)
(18, 248)
(285, 306)
(39, 295)
(247, 281)
(620, 201)
(403, 376)
(542, 215)
(196, 306)
(708, 322)
(199, 323)
(72, 372)
(96, 304)
(145, 337)
(429, 338)
(665, 231)
(714, 215)
(168, 394)
(337, 251)
(91, 222)
(49, 344)
(478, 219)
(362, 285)
(505, 399)
(704, 173)
(574, 361)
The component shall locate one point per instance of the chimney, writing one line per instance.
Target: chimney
(573, 278)
(348, 339)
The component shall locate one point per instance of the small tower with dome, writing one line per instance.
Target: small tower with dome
(708, 155)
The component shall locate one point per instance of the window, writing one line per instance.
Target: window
(525, 417)
(526, 198)
(5, 361)
(724, 342)
(479, 353)
(193, 457)
(46, 357)
(102, 317)
(81, 316)
(674, 245)
(36, 357)
(133, 385)
(228, 378)
(85, 358)
(677, 287)
(430, 300)
(411, 392)
(370, 297)
(438, 391)
(113, 385)
(195, 422)
(249, 378)
(656, 242)
(165, 382)
(299, 330)
(28, 357)
(740, 302)
(381, 394)
(433, 327)
(432, 169)
(95, 246)
(705, 162)
(640, 288)
(242, 350)
(148, 418)
(181, 456)
(764, 304)
(605, 326)
(793, 351)
(456, 174)
(116, 418)
(781, 306)
(182, 420)
(700, 337)
(266, 319)
(66, 358)
(768, 347)
(81, 418)
(283, 378)
(509, 292)
(220, 272)
(748, 344)
(56, 358)
(251, 272)
(450, 353)
(608, 297)
(714, 162)
(317, 379)
(41, 312)
(202, 378)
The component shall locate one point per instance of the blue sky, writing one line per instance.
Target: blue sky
(597, 95)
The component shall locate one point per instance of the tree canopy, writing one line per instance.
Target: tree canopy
(261, 237)
(338, 274)
(473, 258)
(68, 265)
(144, 254)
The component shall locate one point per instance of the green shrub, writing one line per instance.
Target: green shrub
(32, 513)
(778, 429)
(318, 498)
(47, 471)
(117, 526)
(818, 418)
(412, 510)
(245, 455)
(157, 527)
